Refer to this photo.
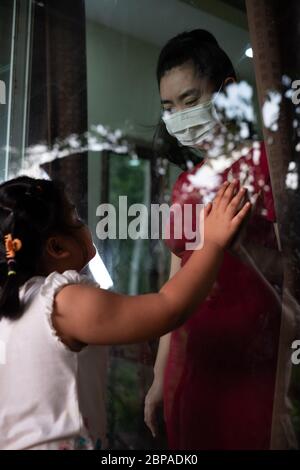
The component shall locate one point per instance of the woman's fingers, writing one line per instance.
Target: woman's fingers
(150, 425)
(150, 419)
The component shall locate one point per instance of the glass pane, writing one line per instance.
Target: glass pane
(15, 46)
(6, 25)
(129, 263)
(97, 97)
(128, 258)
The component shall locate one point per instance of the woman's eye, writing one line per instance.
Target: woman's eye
(168, 110)
(191, 103)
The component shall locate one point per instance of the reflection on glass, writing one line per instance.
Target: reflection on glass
(6, 26)
(99, 272)
(110, 153)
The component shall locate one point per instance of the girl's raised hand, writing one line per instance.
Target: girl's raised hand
(225, 214)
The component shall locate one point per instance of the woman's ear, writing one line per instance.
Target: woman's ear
(229, 81)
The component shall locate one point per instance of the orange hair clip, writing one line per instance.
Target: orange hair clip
(11, 246)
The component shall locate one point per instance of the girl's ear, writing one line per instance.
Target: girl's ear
(56, 248)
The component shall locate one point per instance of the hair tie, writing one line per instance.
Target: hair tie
(11, 246)
(11, 267)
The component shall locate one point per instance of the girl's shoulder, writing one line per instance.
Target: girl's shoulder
(56, 281)
(47, 285)
(49, 288)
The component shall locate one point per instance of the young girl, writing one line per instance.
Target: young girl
(52, 317)
(216, 374)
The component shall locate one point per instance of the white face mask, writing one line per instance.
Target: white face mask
(193, 125)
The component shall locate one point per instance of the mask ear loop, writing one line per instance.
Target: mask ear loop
(214, 109)
(223, 85)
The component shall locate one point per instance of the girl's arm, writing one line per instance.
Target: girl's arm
(92, 315)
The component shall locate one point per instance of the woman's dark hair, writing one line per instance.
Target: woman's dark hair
(31, 210)
(211, 62)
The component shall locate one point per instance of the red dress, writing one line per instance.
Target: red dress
(220, 375)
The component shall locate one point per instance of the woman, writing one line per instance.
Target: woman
(216, 374)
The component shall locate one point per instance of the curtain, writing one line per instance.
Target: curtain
(275, 35)
(58, 95)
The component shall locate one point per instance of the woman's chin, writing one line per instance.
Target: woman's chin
(204, 146)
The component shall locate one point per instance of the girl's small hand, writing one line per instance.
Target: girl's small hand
(224, 216)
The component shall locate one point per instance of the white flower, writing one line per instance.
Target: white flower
(271, 110)
(237, 102)
(292, 181)
(205, 177)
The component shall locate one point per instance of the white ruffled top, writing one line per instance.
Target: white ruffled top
(50, 396)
